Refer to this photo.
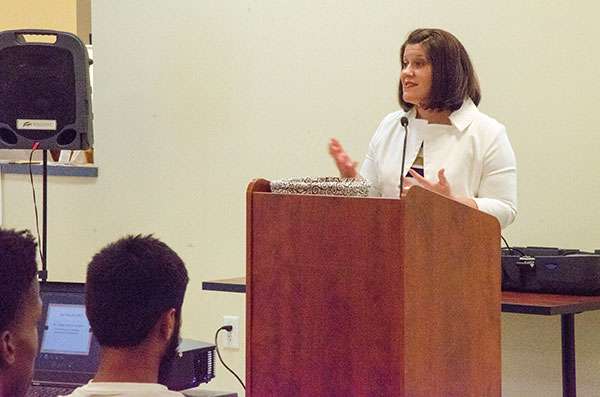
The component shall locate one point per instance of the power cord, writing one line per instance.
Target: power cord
(509, 248)
(227, 328)
(37, 221)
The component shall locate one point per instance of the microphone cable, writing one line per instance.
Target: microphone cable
(227, 328)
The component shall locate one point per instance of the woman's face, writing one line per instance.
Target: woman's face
(415, 75)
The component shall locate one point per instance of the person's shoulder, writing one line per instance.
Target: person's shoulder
(487, 126)
(78, 392)
(387, 125)
(393, 117)
(390, 121)
(124, 390)
(74, 393)
(170, 393)
(162, 391)
(489, 121)
(470, 118)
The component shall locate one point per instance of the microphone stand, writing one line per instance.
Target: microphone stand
(404, 122)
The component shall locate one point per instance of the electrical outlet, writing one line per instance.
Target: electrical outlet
(232, 338)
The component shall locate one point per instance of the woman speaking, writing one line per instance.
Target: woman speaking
(452, 148)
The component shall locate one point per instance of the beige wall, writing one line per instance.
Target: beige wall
(39, 14)
(195, 98)
(84, 20)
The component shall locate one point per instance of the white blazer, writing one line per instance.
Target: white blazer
(474, 151)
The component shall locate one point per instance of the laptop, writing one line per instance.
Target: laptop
(69, 352)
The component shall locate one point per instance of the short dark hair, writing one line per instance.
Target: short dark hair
(130, 284)
(18, 270)
(453, 75)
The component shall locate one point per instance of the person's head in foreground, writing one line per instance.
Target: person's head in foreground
(20, 311)
(134, 293)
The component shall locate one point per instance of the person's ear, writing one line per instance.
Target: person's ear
(7, 349)
(167, 324)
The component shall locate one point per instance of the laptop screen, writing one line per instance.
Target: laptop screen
(69, 353)
(67, 330)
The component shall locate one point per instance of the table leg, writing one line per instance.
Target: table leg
(568, 354)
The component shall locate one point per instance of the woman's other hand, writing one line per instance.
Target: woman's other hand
(343, 162)
(441, 187)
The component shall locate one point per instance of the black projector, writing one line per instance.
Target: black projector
(551, 270)
(193, 365)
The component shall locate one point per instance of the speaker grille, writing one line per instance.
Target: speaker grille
(37, 82)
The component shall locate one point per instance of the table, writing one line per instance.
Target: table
(512, 302)
(547, 305)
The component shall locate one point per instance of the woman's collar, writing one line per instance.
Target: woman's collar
(460, 118)
(463, 117)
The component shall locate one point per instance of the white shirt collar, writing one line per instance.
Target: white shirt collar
(463, 117)
(460, 118)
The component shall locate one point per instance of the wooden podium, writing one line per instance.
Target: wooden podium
(371, 296)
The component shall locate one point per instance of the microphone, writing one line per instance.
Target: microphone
(404, 122)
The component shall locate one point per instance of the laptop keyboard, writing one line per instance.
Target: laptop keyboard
(48, 391)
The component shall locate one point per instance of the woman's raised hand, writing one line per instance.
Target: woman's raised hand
(343, 162)
(441, 186)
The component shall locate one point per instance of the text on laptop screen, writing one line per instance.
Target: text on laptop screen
(67, 330)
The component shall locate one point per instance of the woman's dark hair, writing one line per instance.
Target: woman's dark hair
(18, 270)
(130, 284)
(453, 76)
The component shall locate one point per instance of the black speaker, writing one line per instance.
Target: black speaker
(44, 91)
